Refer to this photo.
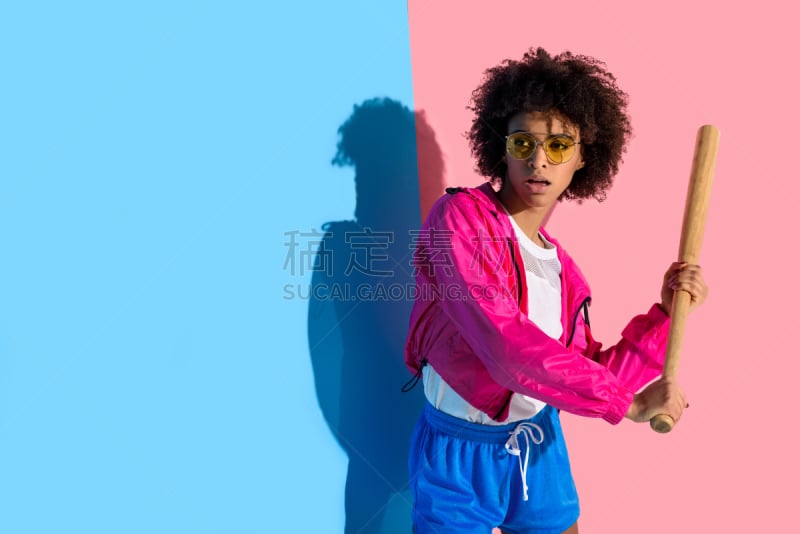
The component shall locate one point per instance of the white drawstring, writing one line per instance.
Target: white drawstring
(512, 446)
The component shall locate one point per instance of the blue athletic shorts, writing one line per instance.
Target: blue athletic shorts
(465, 479)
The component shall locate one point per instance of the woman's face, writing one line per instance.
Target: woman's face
(537, 182)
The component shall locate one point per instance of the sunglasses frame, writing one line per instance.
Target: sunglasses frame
(537, 143)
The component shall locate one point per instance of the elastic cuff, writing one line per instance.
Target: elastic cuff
(619, 407)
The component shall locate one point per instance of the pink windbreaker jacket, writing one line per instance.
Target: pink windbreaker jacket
(470, 321)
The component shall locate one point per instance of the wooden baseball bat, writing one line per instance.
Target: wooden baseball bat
(694, 222)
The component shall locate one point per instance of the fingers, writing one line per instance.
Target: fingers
(663, 396)
(682, 276)
(673, 399)
(673, 269)
(689, 278)
(680, 404)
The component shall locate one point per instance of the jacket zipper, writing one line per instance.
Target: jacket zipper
(519, 303)
(516, 269)
(585, 307)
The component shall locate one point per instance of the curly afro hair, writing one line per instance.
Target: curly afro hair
(578, 89)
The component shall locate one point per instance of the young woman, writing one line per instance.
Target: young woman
(499, 333)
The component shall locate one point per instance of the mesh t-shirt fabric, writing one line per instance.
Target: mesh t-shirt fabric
(543, 278)
(548, 268)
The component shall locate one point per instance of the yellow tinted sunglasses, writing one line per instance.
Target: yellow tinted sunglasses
(558, 148)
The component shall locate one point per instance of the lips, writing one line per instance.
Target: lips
(536, 180)
(537, 185)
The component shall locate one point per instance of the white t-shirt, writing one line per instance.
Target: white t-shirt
(543, 277)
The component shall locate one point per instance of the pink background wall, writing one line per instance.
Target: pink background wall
(730, 465)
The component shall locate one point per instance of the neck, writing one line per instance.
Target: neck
(528, 218)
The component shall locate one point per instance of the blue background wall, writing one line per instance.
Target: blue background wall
(153, 156)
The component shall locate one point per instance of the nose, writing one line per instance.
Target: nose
(539, 157)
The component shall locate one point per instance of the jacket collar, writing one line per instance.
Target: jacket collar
(574, 289)
(486, 194)
(488, 199)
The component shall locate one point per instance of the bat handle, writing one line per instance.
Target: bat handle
(681, 300)
(662, 423)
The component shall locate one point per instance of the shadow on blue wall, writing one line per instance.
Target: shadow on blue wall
(360, 301)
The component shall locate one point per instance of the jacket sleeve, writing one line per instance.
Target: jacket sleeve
(638, 357)
(516, 353)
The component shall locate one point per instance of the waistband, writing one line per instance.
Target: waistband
(460, 428)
